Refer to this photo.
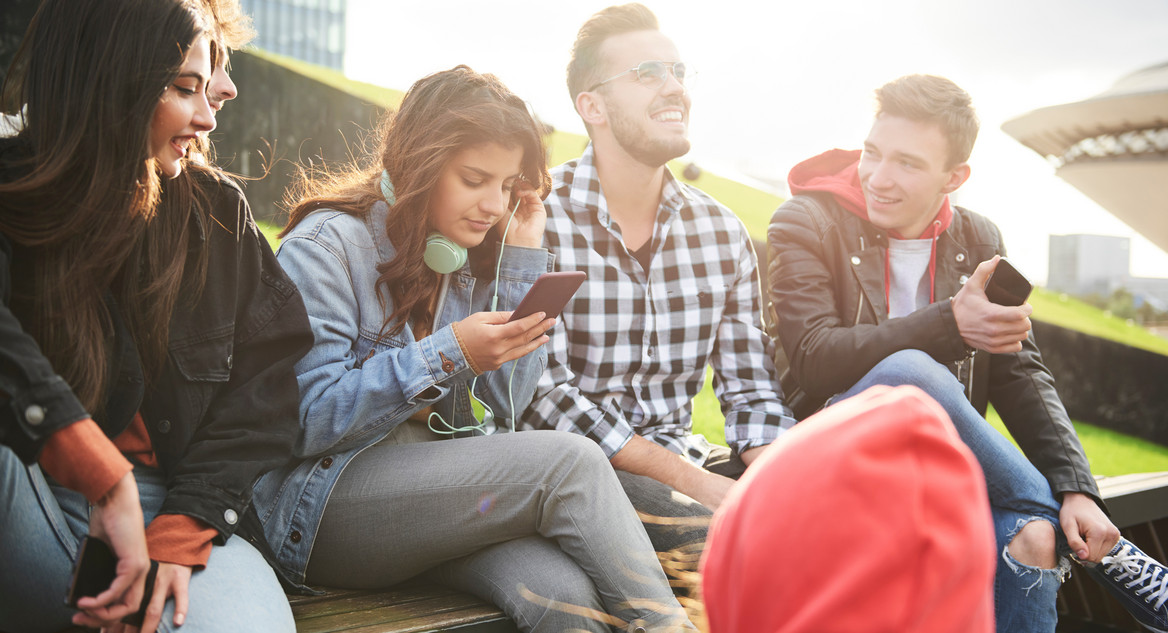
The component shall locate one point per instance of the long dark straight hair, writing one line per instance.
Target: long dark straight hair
(441, 114)
(81, 203)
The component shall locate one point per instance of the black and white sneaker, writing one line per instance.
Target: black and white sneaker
(1138, 581)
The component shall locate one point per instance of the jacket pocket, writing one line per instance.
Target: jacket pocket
(207, 360)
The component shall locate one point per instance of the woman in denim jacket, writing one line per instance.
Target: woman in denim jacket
(147, 334)
(532, 521)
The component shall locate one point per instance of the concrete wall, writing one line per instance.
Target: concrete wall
(282, 119)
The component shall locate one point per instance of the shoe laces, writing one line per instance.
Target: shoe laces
(1144, 572)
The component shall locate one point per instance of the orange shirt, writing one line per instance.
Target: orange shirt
(82, 458)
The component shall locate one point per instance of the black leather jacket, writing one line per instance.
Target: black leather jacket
(224, 409)
(826, 287)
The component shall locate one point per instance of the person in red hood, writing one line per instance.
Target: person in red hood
(879, 476)
(876, 278)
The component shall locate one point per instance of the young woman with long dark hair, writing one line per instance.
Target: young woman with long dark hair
(535, 521)
(147, 335)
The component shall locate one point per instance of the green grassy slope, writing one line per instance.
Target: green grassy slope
(370, 93)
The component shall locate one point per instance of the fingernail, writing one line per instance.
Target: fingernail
(179, 618)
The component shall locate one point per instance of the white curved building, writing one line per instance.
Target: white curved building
(1113, 147)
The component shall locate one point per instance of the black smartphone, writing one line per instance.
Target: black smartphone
(1007, 286)
(94, 571)
(549, 294)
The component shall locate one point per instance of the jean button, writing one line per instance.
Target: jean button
(294, 536)
(230, 516)
(326, 462)
(164, 426)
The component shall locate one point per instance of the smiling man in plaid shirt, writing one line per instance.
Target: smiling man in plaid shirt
(672, 287)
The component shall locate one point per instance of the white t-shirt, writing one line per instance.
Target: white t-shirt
(908, 266)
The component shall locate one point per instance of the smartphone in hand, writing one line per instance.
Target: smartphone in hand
(94, 571)
(549, 294)
(1007, 286)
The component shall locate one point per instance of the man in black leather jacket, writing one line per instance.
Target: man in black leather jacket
(876, 279)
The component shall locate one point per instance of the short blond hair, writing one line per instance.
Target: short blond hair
(932, 99)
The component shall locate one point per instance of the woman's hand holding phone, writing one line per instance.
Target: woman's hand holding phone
(117, 519)
(491, 340)
(173, 581)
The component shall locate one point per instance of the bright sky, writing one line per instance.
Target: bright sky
(783, 81)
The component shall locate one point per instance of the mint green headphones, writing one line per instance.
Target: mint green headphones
(442, 255)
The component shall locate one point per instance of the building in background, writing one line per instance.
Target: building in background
(309, 30)
(1099, 265)
(1088, 264)
(1112, 147)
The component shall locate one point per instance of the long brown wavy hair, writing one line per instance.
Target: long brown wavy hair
(441, 114)
(81, 204)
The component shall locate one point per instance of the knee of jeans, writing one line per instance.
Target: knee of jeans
(561, 450)
(1039, 575)
(914, 367)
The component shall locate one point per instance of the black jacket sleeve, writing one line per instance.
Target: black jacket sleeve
(34, 401)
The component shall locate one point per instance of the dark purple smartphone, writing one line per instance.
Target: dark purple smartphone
(1007, 286)
(549, 294)
(93, 572)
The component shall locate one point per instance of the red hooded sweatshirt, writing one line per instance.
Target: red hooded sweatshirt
(835, 172)
(870, 516)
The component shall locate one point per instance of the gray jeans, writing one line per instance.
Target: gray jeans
(535, 522)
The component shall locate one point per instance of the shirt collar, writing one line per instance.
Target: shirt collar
(586, 197)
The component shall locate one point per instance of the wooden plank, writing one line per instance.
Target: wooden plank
(420, 611)
(1136, 498)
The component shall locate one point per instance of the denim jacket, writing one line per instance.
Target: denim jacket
(356, 388)
(222, 410)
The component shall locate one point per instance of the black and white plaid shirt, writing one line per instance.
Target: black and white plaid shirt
(630, 350)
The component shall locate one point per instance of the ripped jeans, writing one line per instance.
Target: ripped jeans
(1024, 596)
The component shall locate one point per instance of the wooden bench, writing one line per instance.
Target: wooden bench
(407, 608)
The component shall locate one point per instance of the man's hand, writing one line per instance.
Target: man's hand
(749, 455)
(117, 519)
(642, 457)
(707, 488)
(1090, 534)
(987, 325)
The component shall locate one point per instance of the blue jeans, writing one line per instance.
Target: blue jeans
(41, 525)
(1024, 596)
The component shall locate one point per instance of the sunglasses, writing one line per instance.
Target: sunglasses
(653, 73)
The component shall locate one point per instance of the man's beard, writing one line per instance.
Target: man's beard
(635, 140)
